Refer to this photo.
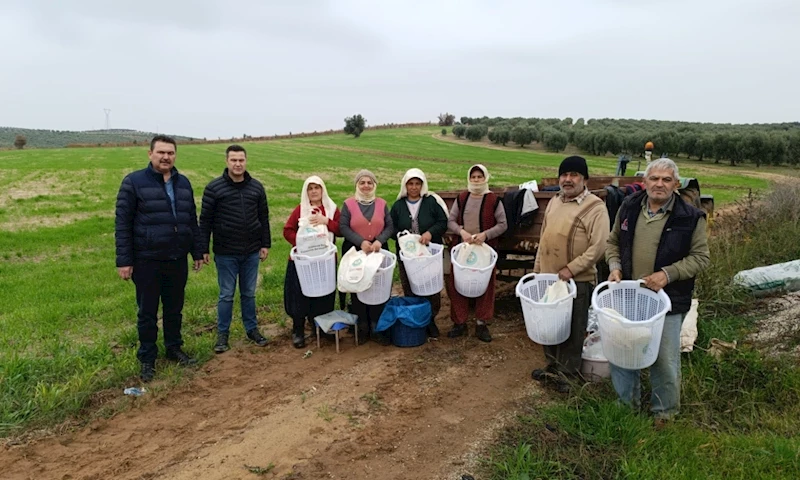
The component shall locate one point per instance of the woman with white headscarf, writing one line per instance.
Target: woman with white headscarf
(319, 209)
(477, 216)
(419, 211)
(366, 225)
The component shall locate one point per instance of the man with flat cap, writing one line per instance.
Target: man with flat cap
(573, 239)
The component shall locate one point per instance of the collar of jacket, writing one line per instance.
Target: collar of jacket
(152, 171)
(228, 178)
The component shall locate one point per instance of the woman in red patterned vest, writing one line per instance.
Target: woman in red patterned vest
(365, 224)
(477, 216)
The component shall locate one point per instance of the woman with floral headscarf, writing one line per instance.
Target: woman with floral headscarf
(366, 225)
(477, 216)
(423, 213)
(319, 209)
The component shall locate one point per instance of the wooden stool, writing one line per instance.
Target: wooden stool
(337, 327)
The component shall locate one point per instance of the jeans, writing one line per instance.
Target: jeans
(229, 267)
(665, 374)
(159, 281)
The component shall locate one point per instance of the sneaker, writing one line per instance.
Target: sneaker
(179, 356)
(482, 332)
(222, 343)
(255, 336)
(298, 340)
(148, 371)
(458, 330)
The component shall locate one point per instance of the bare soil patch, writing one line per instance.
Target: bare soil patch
(369, 412)
(779, 331)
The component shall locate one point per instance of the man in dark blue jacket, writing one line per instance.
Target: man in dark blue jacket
(156, 227)
(236, 213)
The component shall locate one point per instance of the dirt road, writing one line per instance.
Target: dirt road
(370, 412)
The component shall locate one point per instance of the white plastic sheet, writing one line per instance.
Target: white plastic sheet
(782, 277)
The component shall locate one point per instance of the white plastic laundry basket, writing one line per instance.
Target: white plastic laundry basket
(425, 274)
(381, 288)
(471, 282)
(631, 339)
(317, 274)
(546, 323)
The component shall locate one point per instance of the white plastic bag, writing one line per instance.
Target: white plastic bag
(636, 339)
(593, 348)
(357, 270)
(689, 328)
(772, 278)
(475, 256)
(311, 240)
(410, 246)
(555, 292)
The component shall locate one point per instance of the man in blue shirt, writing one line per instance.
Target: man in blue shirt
(156, 227)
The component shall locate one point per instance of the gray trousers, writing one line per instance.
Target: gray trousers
(566, 357)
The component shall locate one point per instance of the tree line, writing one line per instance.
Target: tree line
(770, 144)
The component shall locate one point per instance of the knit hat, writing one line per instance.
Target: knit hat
(365, 173)
(574, 164)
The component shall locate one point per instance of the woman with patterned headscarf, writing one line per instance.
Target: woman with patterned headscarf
(365, 224)
(319, 209)
(477, 216)
(419, 211)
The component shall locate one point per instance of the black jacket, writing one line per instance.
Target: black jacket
(675, 244)
(146, 228)
(236, 214)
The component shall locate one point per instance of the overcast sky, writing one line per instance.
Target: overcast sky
(221, 68)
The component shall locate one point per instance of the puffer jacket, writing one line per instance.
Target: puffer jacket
(236, 214)
(146, 228)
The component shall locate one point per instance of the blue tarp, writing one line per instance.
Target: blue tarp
(412, 312)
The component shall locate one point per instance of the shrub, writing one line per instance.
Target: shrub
(459, 130)
(444, 131)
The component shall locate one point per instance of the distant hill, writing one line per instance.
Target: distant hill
(63, 138)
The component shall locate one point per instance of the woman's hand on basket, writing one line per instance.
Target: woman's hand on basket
(376, 246)
(479, 238)
(366, 246)
(425, 238)
(466, 237)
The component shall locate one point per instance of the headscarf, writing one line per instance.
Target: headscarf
(305, 203)
(481, 188)
(417, 173)
(369, 197)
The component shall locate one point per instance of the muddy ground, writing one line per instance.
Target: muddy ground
(369, 412)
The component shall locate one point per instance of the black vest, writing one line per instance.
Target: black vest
(675, 244)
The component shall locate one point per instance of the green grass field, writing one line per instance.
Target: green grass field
(67, 323)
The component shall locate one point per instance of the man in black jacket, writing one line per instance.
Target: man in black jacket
(156, 227)
(236, 213)
(660, 239)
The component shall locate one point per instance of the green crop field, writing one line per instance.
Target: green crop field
(67, 323)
